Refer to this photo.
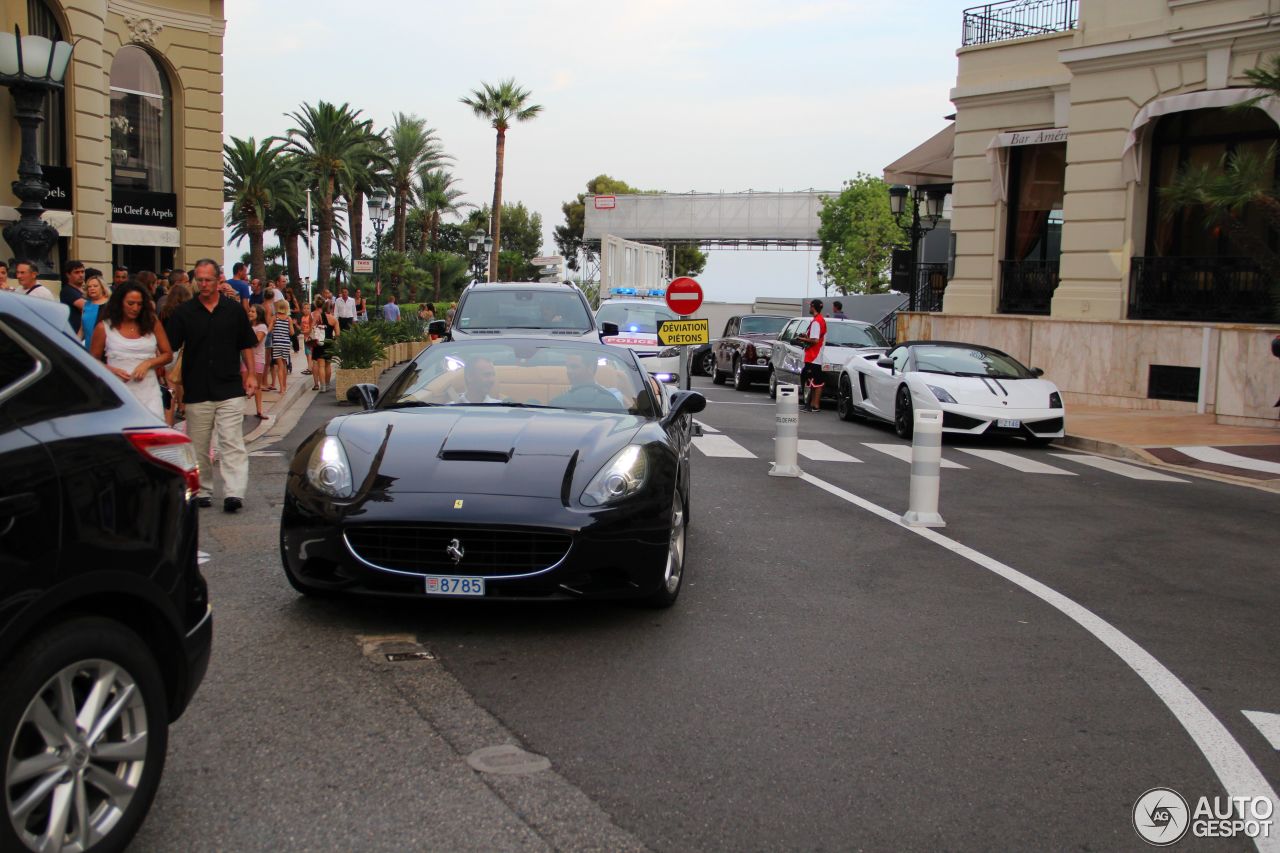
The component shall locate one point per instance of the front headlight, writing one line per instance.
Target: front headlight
(328, 471)
(621, 478)
(1055, 400)
(669, 352)
(943, 395)
(764, 350)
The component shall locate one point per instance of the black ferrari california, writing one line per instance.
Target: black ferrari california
(520, 468)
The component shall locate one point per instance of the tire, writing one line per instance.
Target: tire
(773, 385)
(707, 364)
(716, 376)
(844, 400)
(673, 571)
(741, 382)
(903, 415)
(76, 654)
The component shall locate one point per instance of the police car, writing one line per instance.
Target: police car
(637, 313)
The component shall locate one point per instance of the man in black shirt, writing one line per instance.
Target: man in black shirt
(216, 338)
(72, 293)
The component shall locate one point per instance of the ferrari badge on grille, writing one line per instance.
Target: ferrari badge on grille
(455, 551)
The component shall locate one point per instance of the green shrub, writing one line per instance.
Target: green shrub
(357, 347)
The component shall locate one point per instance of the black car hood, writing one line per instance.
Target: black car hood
(479, 449)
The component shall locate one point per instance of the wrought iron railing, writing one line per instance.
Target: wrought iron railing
(931, 283)
(1026, 287)
(1014, 19)
(888, 324)
(1225, 290)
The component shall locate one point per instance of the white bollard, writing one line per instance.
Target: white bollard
(926, 467)
(787, 418)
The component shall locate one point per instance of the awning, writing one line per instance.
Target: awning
(1002, 142)
(927, 163)
(123, 234)
(1131, 156)
(63, 220)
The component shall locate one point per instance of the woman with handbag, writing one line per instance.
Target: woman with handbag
(324, 328)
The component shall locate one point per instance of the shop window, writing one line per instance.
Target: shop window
(1194, 139)
(51, 138)
(1037, 174)
(141, 124)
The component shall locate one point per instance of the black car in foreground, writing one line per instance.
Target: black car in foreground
(105, 624)
(514, 468)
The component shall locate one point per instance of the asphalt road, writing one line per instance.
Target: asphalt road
(829, 680)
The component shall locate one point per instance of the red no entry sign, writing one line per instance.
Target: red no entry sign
(684, 296)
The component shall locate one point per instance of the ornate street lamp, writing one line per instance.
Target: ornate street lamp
(915, 228)
(30, 66)
(379, 212)
(480, 260)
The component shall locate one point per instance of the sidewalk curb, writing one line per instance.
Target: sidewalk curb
(283, 405)
(1138, 454)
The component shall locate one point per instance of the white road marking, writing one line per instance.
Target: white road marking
(819, 452)
(1133, 472)
(1017, 463)
(903, 452)
(1268, 724)
(202, 557)
(1222, 457)
(1232, 765)
(735, 403)
(705, 427)
(722, 445)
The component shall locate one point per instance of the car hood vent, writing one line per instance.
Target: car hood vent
(461, 455)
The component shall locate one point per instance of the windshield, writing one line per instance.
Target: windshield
(523, 309)
(854, 335)
(635, 318)
(524, 373)
(969, 361)
(762, 325)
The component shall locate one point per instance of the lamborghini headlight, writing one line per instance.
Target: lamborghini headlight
(943, 395)
(328, 471)
(621, 478)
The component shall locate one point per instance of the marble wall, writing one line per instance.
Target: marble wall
(1107, 363)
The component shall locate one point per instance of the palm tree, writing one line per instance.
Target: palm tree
(329, 142)
(256, 177)
(500, 105)
(437, 196)
(366, 175)
(411, 147)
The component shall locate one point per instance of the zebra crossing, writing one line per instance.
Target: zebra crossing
(715, 444)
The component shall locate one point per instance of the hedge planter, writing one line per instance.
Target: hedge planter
(343, 380)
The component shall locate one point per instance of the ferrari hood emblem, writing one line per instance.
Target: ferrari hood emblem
(455, 551)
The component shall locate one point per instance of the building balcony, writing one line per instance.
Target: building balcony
(1015, 19)
(1026, 287)
(1217, 289)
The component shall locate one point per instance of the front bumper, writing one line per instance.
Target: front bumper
(665, 369)
(985, 420)
(616, 552)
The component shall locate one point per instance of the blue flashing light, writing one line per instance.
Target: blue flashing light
(623, 291)
(633, 328)
(657, 293)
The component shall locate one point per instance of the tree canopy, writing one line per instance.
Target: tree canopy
(858, 235)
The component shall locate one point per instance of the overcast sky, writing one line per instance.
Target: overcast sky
(704, 95)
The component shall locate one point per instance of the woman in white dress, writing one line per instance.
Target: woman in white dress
(133, 344)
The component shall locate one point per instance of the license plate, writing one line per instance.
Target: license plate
(1007, 423)
(454, 585)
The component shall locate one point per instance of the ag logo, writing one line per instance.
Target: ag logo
(1160, 817)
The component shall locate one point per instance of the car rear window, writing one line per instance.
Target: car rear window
(522, 309)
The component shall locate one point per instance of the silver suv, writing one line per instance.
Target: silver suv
(525, 308)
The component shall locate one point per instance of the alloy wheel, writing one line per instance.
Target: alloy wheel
(707, 363)
(773, 386)
(675, 549)
(77, 757)
(903, 416)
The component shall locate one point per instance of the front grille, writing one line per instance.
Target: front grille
(647, 353)
(951, 420)
(493, 551)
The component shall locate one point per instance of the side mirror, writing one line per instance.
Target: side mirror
(885, 362)
(365, 394)
(437, 328)
(684, 403)
(1037, 371)
(608, 330)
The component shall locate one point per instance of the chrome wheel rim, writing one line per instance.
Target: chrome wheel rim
(708, 363)
(77, 757)
(675, 549)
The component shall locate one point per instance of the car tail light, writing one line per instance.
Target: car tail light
(169, 449)
(1055, 400)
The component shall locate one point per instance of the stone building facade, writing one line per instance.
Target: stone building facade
(132, 147)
